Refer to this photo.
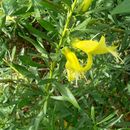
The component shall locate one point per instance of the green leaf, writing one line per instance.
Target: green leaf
(107, 118)
(13, 53)
(46, 25)
(36, 32)
(68, 2)
(58, 98)
(26, 60)
(23, 71)
(114, 121)
(93, 114)
(122, 8)
(67, 95)
(37, 120)
(46, 81)
(3, 50)
(51, 6)
(82, 25)
(9, 6)
(23, 11)
(39, 48)
(2, 21)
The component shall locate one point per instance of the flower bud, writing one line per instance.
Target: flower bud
(85, 5)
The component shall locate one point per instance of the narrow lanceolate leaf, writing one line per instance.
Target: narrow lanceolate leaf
(39, 48)
(93, 114)
(2, 21)
(26, 60)
(13, 53)
(23, 11)
(46, 81)
(46, 25)
(66, 95)
(51, 6)
(68, 2)
(82, 25)
(107, 118)
(23, 71)
(122, 8)
(36, 32)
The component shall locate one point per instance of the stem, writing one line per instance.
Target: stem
(52, 65)
(69, 15)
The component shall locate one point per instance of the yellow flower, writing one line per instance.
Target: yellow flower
(73, 67)
(95, 47)
(85, 5)
(90, 47)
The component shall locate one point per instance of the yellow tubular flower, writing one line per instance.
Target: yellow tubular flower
(88, 46)
(85, 5)
(89, 63)
(73, 67)
(103, 48)
(94, 47)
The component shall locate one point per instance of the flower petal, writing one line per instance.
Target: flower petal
(71, 75)
(72, 60)
(73, 67)
(85, 45)
(101, 48)
(89, 63)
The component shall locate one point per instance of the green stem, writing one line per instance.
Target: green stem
(52, 65)
(69, 15)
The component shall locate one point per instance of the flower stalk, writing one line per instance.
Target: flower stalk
(69, 15)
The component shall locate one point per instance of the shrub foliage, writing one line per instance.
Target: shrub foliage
(35, 93)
